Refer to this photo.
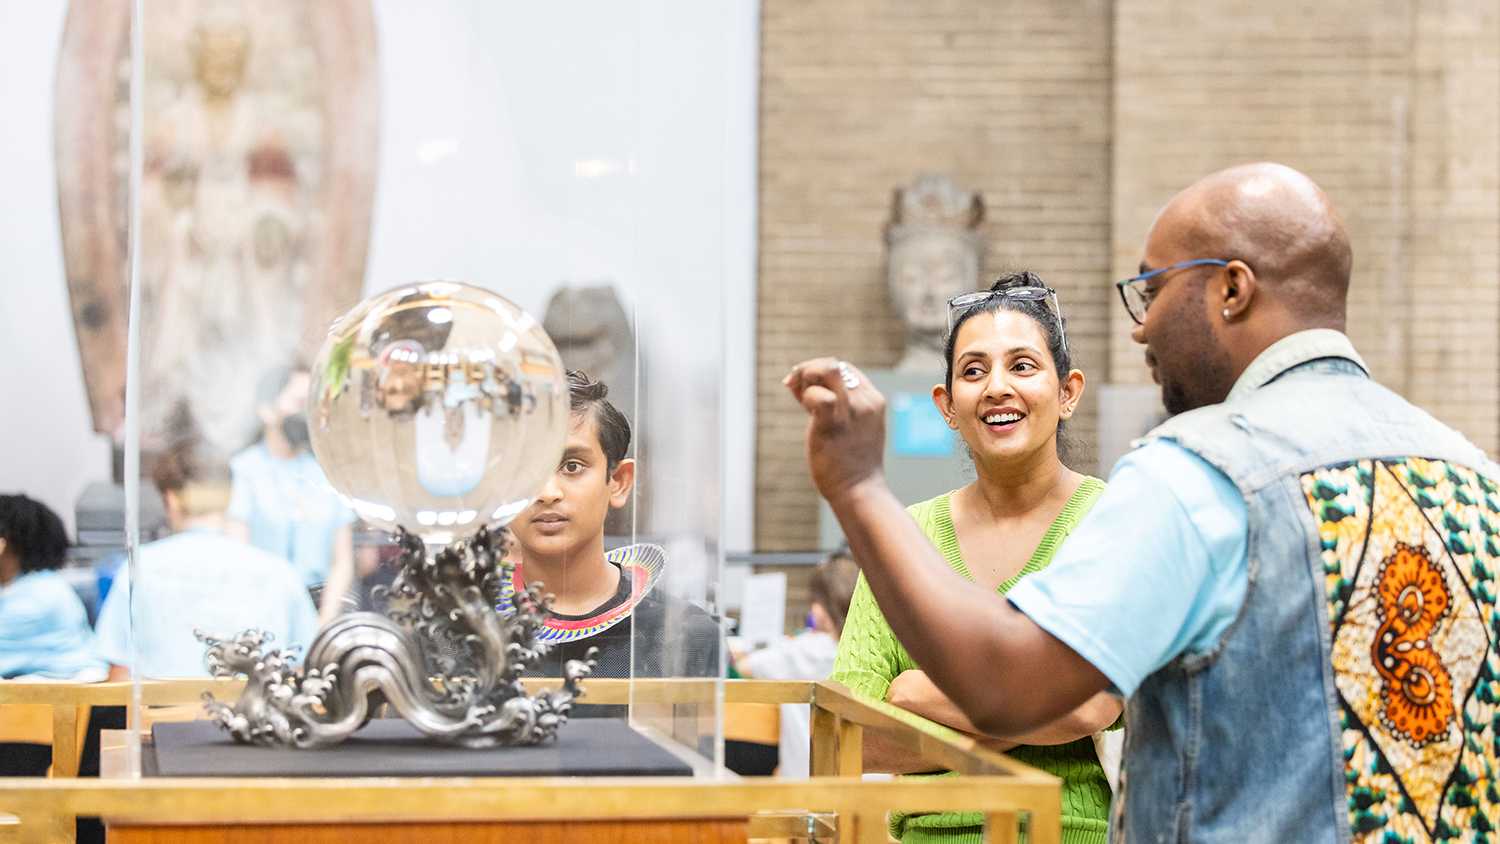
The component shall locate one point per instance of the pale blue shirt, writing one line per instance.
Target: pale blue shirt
(1158, 568)
(201, 579)
(1155, 570)
(290, 508)
(44, 630)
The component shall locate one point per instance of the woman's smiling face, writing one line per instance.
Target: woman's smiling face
(1006, 397)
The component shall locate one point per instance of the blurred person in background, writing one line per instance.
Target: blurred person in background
(44, 629)
(807, 656)
(199, 578)
(282, 502)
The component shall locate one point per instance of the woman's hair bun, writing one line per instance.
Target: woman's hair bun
(1023, 278)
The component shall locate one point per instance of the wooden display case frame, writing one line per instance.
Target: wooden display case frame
(835, 804)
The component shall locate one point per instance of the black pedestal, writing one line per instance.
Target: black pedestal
(394, 748)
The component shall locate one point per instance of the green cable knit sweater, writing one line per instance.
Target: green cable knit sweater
(869, 659)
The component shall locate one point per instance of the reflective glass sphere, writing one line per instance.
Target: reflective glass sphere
(439, 407)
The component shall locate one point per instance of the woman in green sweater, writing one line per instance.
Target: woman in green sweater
(1010, 384)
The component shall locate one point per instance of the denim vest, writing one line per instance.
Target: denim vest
(1354, 696)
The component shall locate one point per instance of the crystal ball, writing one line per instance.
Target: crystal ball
(439, 407)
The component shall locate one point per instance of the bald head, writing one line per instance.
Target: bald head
(1285, 268)
(1279, 222)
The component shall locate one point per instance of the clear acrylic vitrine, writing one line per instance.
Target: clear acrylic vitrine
(272, 164)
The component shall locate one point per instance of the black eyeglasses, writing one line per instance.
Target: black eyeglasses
(1133, 290)
(958, 304)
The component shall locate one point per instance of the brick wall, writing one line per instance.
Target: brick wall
(1392, 108)
(859, 96)
(1078, 120)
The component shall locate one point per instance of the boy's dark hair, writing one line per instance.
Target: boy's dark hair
(832, 585)
(587, 396)
(33, 532)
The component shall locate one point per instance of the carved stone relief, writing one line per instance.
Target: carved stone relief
(261, 128)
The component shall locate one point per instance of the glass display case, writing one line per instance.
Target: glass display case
(514, 191)
(286, 163)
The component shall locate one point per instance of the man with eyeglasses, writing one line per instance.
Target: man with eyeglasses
(1292, 580)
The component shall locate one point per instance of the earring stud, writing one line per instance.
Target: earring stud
(1226, 313)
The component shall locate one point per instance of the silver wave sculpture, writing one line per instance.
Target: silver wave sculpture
(446, 661)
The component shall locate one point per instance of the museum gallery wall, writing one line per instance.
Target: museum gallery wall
(330, 151)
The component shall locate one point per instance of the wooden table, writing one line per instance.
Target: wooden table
(714, 806)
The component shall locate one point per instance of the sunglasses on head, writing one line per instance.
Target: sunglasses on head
(959, 305)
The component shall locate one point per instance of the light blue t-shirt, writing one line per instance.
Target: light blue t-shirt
(1157, 569)
(290, 507)
(201, 579)
(44, 630)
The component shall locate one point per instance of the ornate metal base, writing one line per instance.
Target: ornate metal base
(446, 660)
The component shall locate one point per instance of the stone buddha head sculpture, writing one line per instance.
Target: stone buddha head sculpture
(934, 245)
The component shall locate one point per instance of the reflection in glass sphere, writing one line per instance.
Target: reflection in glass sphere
(439, 407)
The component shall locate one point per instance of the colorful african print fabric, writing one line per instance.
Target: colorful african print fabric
(1410, 549)
(643, 563)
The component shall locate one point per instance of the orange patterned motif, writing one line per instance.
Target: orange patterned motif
(1418, 693)
(1411, 564)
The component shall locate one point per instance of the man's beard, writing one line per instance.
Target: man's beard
(1213, 382)
(1175, 399)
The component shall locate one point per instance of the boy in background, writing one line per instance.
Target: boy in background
(198, 577)
(600, 599)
